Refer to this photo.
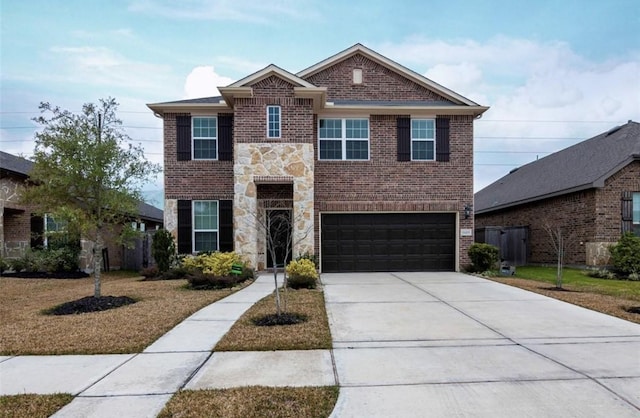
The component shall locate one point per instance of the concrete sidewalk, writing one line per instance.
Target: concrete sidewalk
(139, 385)
(447, 344)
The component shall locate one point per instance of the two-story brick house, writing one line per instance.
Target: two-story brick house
(373, 161)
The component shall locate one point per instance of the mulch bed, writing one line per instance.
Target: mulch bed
(286, 318)
(45, 275)
(91, 304)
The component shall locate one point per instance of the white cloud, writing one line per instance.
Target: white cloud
(234, 10)
(203, 81)
(103, 66)
(536, 90)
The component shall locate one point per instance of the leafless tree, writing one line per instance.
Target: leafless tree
(560, 240)
(281, 236)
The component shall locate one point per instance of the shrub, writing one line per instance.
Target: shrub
(151, 272)
(308, 256)
(175, 273)
(601, 274)
(163, 249)
(483, 256)
(625, 255)
(205, 281)
(4, 265)
(302, 274)
(634, 277)
(217, 263)
(18, 264)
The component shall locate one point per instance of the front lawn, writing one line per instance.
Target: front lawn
(160, 306)
(32, 406)
(613, 297)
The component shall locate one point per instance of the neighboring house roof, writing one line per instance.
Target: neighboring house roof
(21, 166)
(14, 164)
(304, 89)
(582, 166)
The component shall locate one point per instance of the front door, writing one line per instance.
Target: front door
(279, 237)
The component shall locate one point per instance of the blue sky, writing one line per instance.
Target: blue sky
(554, 72)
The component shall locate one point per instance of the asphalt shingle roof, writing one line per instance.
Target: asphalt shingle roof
(15, 164)
(582, 166)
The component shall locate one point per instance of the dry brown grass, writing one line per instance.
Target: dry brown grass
(255, 401)
(32, 406)
(312, 334)
(128, 329)
(611, 305)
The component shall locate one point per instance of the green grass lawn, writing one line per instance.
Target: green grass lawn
(576, 279)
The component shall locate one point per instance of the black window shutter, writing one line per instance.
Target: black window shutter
(184, 227)
(442, 139)
(627, 212)
(225, 236)
(37, 231)
(225, 138)
(404, 139)
(183, 136)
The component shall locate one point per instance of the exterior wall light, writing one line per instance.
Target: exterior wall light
(467, 210)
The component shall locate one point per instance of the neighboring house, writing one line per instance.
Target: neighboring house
(20, 229)
(372, 161)
(590, 190)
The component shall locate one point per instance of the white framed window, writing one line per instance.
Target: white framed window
(343, 139)
(205, 225)
(273, 121)
(53, 229)
(204, 130)
(635, 219)
(423, 139)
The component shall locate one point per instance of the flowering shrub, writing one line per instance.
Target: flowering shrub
(302, 274)
(217, 263)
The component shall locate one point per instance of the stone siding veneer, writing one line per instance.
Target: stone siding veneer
(277, 160)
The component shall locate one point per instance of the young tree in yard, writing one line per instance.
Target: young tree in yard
(560, 241)
(85, 167)
(280, 237)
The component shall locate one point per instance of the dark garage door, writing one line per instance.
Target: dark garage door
(388, 242)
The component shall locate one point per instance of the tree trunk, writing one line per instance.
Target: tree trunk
(275, 281)
(97, 264)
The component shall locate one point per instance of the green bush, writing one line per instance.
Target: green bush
(217, 263)
(163, 249)
(4, 265)
(483, 256)
(302, 274)
(150, 273)
(175, 273)
(18, 264)
(625, 255)
(308, 256)
(601, 274)
(205, 281)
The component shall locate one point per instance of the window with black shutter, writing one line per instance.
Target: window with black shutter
(183, 137)
(184, 227)
(404, 139)
(442, 139)
(225, 138)
(226, 225)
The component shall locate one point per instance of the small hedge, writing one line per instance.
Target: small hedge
(204, 281)
(625, 255)
(302, 274)
(483, 256)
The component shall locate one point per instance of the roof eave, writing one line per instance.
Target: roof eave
(162, 108)
(537, 198)
(475, 111)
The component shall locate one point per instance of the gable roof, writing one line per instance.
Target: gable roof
(582, 166)
(14, 164)
(304, 89)
(386, 62)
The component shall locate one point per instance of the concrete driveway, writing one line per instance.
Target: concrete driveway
(454, 345)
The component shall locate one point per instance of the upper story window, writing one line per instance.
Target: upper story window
(273, 121)
(205, 137)
(343, 139)
(205, 225)
(423, 139)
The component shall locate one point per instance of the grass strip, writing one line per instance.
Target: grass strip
(161, 305)
(253, 401)
(312, 334)
(32, 406)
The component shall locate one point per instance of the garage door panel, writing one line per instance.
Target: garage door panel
(388, 242)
